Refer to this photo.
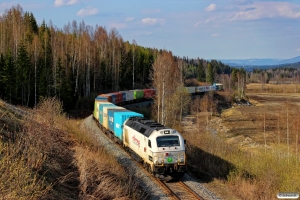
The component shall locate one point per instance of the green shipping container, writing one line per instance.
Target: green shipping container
(138, 94)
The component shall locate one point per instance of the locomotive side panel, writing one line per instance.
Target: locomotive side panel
(136, 141)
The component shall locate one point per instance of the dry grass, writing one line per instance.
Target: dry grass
(43, 155)
(101, 176)
(271, 88)
(253, 151)
(21, 162)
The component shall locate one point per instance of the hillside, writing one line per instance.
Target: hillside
(47, 156)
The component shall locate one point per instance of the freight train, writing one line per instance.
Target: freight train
(160, 149)
(202, 89)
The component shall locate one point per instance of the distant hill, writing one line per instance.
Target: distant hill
(261, 63)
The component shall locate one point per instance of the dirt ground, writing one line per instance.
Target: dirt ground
(267, 114)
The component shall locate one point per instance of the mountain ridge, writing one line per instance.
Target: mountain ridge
(259, 62)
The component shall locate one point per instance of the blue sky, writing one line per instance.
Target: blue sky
(210, 29)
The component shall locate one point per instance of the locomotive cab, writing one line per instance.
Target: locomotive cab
(162, 149)
(168, 152)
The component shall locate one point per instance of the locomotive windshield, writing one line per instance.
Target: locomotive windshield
(167, 141)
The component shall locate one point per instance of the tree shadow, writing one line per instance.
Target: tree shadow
(206, 167)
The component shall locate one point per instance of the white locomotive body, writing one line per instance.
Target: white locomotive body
(161, 149)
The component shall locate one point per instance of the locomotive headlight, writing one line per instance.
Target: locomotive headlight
(181, 157)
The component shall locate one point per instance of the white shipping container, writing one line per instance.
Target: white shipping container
(129, 95)
(105, 114)
(191, 89)
(200, 89)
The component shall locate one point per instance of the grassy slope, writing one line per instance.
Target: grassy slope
(46, 156)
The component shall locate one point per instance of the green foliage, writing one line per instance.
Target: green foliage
(77, 61)
(23, 75)
(210, 74)
(8, 77)
(200, 72)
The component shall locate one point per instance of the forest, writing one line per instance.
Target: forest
(79, 61)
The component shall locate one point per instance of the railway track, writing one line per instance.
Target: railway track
(175, 189)
(179, 190)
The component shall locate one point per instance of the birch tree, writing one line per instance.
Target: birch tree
(166, 76)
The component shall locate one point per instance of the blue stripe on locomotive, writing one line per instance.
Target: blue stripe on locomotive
(101, 107)
(116, 120)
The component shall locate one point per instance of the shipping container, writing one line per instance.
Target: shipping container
(149, 93)
(138, 94)
(200, 89)
(105, 114)
(111, 115)
(118, 97)
(101, 106)
(129, 95)
(118, 118)
(123, 95)
(191, 89)
(107, 96)
(96, 107)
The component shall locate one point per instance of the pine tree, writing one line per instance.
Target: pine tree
(8, 77)
(23, 75)
(2, 64)
(200, 71)
(210, 74)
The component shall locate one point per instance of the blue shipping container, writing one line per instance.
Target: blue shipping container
(113, 98)
(101, 111)
(118, 119)
(123, 96)
(111, 116)
(101, 98)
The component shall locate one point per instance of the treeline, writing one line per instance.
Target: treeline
(42, 61)
(204, 70)
(274, 75)
(79, 62)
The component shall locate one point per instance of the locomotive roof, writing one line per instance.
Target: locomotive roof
(143, 125)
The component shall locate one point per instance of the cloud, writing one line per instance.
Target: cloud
(129, 19)
(87, 11)
(298, 50)
(152, 21)
(198, 23)
(259, 10)
(6, 5)
(59, 3)
(211, 7)
(243, 2)
(205, 21)
(215, 35)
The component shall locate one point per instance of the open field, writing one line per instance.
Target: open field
(272, 88)
(249, 152)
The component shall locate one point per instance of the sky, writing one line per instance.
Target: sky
(209, 29)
